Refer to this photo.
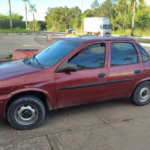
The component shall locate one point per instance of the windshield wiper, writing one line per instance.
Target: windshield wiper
(37, 61)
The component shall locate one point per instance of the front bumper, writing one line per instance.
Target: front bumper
(3, 101)
(107, 34)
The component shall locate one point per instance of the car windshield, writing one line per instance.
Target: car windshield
(56, 52)
(107, 26)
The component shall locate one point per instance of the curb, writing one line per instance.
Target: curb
(145, 45)
(4, 60)
(9, 34)
(70, 36)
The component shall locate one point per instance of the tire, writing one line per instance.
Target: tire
(26, 112)
(141, 95)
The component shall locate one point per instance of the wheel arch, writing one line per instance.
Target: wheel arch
(137, 84)
(44, 96)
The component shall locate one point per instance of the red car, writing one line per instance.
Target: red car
(71, 72)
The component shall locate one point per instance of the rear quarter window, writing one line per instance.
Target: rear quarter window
(144, 55)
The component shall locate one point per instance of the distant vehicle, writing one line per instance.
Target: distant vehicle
(71, 31)
(97, 25)
(73, 71)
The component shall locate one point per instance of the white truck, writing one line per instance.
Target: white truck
(96, 25)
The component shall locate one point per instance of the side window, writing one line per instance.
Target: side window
(90, 57)
(123, 54)
(143, 54)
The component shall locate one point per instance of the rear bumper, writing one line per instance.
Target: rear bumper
(3, 101)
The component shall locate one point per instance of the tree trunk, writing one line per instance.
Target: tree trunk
(11, 26)
(133, 19)
(113, 27)
(124, 26)
(33, 23)
(124, 22)
(26, 16)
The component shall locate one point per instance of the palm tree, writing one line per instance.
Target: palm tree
(33, 10)
(11, 26)
(132, 4)
(26, 12)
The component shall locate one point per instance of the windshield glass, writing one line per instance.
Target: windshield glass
(107, 26)
(53, 54)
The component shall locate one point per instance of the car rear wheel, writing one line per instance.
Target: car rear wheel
(26, 112)
(141, 95)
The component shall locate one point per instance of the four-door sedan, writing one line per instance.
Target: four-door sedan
(71, 72)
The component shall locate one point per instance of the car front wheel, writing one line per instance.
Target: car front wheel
(141, 95)
(26, 112)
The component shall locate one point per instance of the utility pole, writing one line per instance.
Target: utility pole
(26, 16)
(11, 26)
(82, 18)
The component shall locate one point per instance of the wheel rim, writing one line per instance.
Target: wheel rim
(26, 114)
(144, 94)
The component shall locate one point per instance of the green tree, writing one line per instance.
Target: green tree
(10, 16)
(4, 22)
(63, 18)
(107, 10)
(16, 21)
(121, 9)
(95, 5)
(39, 25)
(88, 13)
(25, 1)
(142, 17)
(132, 4)
(33, 10)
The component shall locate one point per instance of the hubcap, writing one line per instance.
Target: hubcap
(26, 114)
(144, 94)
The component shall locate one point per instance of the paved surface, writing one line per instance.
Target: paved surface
(109, 125)
(9, 43)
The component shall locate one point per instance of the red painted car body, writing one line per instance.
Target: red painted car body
(65, 89)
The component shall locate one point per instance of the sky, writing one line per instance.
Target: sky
(17, 6)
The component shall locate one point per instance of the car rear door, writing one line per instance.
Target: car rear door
(125, 68)
(89, 83)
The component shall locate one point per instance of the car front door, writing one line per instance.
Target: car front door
(89, 83)
(125, 69)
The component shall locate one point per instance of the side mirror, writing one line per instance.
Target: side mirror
(67, 68)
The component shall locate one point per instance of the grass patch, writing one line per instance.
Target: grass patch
(137, 32)
(142, 41)
(16, 31)
(9, 57)
(138, 40)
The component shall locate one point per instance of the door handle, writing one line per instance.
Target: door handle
(102, 75)
(137, 71)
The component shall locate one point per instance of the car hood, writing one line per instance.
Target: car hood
(16, 68)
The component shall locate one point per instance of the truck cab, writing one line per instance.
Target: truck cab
(105, 29)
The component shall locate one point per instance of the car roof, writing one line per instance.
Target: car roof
(88, 38)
